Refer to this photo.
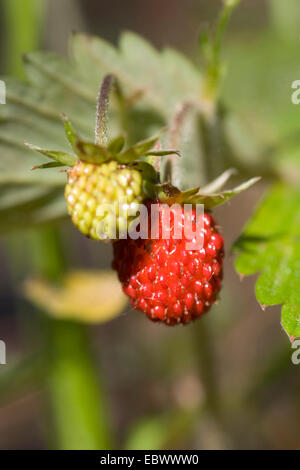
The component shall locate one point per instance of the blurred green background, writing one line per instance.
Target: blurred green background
(226, 382)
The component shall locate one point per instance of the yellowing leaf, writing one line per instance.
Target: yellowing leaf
(87, 296)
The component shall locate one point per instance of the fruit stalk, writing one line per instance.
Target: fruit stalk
(101, 131)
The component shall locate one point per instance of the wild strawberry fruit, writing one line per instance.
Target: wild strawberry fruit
(165, 278)
(91, 186)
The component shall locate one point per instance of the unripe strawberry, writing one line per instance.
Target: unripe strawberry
(90, 187)
(166, 280)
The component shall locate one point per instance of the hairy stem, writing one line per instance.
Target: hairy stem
(171, 172)
(109, 83)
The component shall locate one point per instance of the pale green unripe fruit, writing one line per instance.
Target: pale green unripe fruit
(92, 188)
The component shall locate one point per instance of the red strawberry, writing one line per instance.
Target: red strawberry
(163, 278)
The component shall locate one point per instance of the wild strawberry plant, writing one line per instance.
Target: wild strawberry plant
(156, 88)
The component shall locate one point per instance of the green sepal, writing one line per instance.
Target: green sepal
(92, 153)
(86, 151)
(167, 193)
(189, 193)
(64, 158)
(149, 190)
(171, 195)
(70, 132)
(219, 182)
(116, 145)
(140, 149)
(213, 200)
(44, 166)
(147, 171)
(162, 153)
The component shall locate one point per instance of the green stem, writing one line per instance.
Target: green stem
(214, 68)
(211, 117)
(23, 23)
(109, 83)
(78, 413)
(171, 169)
(76, 398)
(213, 143)
(226, 12)
(206, 366)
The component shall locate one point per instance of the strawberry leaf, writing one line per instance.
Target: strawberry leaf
(270, 245)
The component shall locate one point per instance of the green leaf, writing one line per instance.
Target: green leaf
(144, 63)
(270, 245)
(46, 68)
(161, 79)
